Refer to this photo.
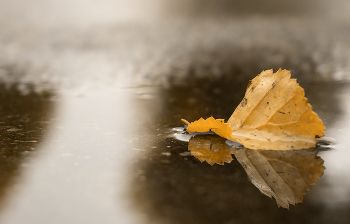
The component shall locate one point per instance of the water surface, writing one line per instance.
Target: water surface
(110, 156)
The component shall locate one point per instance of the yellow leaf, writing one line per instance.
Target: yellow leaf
(274, 114)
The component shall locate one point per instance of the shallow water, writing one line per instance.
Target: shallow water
(110, 156)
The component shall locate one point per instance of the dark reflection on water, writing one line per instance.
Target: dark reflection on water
(23, 122)
(170, 186)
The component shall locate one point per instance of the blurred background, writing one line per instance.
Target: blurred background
(90, 92)
(112, 42)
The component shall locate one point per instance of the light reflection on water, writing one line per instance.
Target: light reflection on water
(80, 168)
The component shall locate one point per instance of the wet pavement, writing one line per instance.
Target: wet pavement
(113, 157)
(91, 102)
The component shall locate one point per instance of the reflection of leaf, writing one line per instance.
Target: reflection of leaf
(274, 114)
(211, 148)
(284, 175)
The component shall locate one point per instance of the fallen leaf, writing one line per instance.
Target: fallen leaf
(274, 114)
(210, 148)
(285, 175)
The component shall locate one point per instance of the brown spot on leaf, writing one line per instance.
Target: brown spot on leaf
(244, 102)
(249, 83)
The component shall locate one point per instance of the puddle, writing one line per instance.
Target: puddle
(120, 156)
